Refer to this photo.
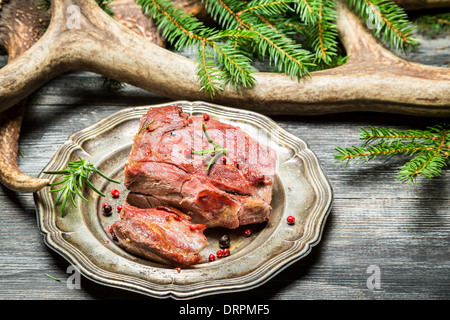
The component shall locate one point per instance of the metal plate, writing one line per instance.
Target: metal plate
(81, 236)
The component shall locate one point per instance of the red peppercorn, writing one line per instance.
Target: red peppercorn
(247, 232)
(290, 220)
(225, 252)
(115, 193)
(119, 207)
(219, 253)
(110, 229)
(224, 160)
(205, 116)
(188, 152)
(212, 257)
(105, 204)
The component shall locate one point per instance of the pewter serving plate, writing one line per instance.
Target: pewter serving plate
(300, 189)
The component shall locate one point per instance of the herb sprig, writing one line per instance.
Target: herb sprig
(75, 177)
(218, 150)
(145, 126)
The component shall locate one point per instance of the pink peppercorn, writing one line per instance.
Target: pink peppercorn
(115, 193)
(290, 220)
(225, 252)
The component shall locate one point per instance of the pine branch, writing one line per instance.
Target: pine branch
(429, 149)
(434, 25)
(294, 36)
(281, 51)
(428, 165)
(218, 62)
(307, 10)
(384, 134)
(323, 33)
(387, 20)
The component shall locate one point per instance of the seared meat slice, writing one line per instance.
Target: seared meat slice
(161, 169)
(160, 234)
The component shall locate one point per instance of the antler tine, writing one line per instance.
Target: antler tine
(17, 36)
(98, 44)
(21, 26)
(104, 46)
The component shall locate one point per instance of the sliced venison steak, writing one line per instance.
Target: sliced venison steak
(162, 170)
(161, 234)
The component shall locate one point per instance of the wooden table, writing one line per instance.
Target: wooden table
(376, 222)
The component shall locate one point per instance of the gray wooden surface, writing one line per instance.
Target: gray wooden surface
(375, 221)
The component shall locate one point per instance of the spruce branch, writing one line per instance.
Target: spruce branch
(218, 61)
(307, 10)
(429, 149)
(286, 55)
(294, 36)
(388, 21)
(434, 25)
(323, 33)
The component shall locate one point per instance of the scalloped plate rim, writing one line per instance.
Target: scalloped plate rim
(53, 237)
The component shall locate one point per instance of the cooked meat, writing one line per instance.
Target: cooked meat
(161, 169)
(160, 234)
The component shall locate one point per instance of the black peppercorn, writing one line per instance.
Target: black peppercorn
(224, 241)
(107, 210)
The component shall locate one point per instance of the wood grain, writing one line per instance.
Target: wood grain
(376, 81)
(375, 220)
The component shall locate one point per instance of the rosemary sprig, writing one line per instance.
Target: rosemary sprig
(51, 277)
(145, 126)
(218, 150)
(75, 176)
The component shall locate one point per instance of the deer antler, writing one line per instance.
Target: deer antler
(22, 31)
(370, 80)
(104, 46)
(22, 27)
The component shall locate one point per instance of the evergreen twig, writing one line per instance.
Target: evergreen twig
(388, 21)
(429, 149)
(218, 61)
(76, 176)
(434, 25)
(294, 36)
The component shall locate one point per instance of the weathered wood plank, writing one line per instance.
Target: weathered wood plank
(375, 220)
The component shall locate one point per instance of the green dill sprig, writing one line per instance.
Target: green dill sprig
(429, 150)
(217, 151)
(75, 177)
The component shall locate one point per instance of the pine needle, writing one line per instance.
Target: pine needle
(428, 149)
(295, 37)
